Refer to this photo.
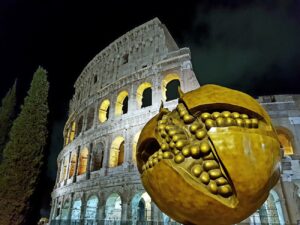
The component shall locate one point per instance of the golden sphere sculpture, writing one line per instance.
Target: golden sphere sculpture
(212, 160)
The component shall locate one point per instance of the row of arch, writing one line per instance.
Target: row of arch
(140, 210)
(117, 152)
(79, 162)
(143, 96)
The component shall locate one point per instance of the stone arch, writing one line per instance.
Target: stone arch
(134, 145)
(113, 208)
(286, 139)
(144, 95)
(141, 207)
(91, 207)
(121, 103)
(79, 126)
(65, 209)
(90, 118)
(103, 113)
(172, 79)
(73, 162)
(116, 156)
(73, 131)
(83, 159)
(271, 211)
(97, 157)
(76, 209)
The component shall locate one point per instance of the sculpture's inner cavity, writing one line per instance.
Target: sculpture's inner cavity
(184, 141)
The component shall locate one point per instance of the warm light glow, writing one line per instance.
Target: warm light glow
(167, 79)
(67, 138)
(73, 130)
(116, 156)
(285, 141)
(103, 111)
(119, 104)
(134, 145)
(83, 158)
(140, 91)
(73, 165)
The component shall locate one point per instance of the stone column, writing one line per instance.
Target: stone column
(82, 211)
(124, 212)
(58, 172)
(129, 211)
(70, 209)
(96, 111)
(68, 166)
(53, 206)
(101, 213)
(106, 152)
(127, 149)
(88, 169)
(156, 89)
(76, 166)
(132, 104)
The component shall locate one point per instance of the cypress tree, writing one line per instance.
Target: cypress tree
(7, 112)
(23, 154)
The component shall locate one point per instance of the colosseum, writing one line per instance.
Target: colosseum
(115, 95)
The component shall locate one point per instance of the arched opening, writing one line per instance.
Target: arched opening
(170, 85)
(57, 211)
(83, 158)
(104, 111)
(63, 174)
(76, 210)
(113, 209)
(116, 157)
(90, 118)
(285, 138)
(98, 157)
(134, 145)
(271, 211)
(91, 208)
(65, 210)
(122, 103)
(80, 124)
(141, 211)
(141, 208)
(72, 165)
(144, 95)
(72, 132)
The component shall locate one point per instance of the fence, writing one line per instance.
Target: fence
(108, 222)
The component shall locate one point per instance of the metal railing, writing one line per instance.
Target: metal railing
(108, 222)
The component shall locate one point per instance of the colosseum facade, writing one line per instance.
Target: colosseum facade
(115, 95)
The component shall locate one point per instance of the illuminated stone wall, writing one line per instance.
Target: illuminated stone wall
(116, 94)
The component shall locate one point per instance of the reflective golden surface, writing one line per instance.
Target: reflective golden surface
(212, 160)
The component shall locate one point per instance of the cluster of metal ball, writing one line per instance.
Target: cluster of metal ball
(185, 139)
(226, 119)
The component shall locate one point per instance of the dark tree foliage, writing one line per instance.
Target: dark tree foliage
(23, 154)
(7, 112)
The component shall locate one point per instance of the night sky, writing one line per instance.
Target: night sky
(253, 46)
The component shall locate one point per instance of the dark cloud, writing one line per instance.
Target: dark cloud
(252, 47)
